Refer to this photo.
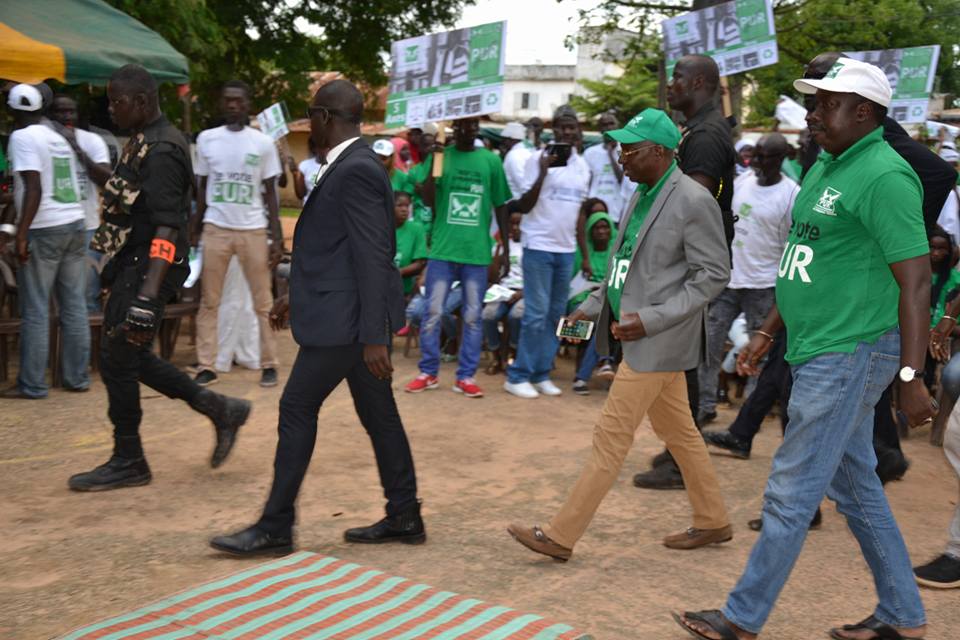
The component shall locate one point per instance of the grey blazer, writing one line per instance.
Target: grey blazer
(680, 263)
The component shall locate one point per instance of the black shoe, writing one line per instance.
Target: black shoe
(205, 378)
(941, 573)
(728, 444)
(269, 378)
(757, 525)
(705, 417)
(891, 464)
(252, 542)
(666, 476)
(661, 459)
(227, 414)
(117, 472)
(406, 527)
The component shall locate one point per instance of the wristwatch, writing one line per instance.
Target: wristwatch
(909, 374)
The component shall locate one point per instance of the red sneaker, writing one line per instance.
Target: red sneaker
(402, 333)
(422, 382)
(469, 388)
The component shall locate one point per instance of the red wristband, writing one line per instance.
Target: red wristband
(163, 249)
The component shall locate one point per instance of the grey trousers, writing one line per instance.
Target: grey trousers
(755, 303)
(951, 447)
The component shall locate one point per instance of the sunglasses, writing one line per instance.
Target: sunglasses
(313, 110)
(627, 154)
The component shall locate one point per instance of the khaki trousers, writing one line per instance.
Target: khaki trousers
(662, 396)
(250, 247)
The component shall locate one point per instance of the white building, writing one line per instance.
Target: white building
(599, 54)
(535, 90)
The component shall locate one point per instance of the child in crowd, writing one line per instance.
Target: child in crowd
(411, 257)
(600, 233)
(512, 309)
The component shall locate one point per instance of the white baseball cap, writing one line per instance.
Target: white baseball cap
(851, 76)
(514, 130)
(24, 97)
(383, 148)
(430, 128)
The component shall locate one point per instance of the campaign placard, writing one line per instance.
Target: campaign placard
(910, 72)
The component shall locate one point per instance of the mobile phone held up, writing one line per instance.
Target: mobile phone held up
(579, 330)
(561, 150)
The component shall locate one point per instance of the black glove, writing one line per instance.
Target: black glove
(143, 319)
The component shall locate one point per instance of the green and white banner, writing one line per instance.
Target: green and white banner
(739, 35)
(910, 72)
(446, 76)
(273, 121)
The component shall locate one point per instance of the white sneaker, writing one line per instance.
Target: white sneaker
(547, 388)
(521, 389)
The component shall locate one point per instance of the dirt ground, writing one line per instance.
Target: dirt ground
(70, 559)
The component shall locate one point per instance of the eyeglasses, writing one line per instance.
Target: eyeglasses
(313, 110)
(627, 154)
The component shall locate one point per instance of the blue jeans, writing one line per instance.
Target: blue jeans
(493, 313)
(417, 310)
(589, 361)
(828, 449)
(473, 282)
(57, 264)
(93, 275)
(546, 287)
(950, 378)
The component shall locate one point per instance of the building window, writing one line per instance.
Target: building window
(527, 100)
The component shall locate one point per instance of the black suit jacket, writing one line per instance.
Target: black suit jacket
(344, 286)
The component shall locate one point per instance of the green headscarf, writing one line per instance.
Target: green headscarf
(598, 259)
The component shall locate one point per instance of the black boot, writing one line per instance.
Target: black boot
(227, 415)
(406, 527)
(891, 463)
(126, 468)
(666, 476)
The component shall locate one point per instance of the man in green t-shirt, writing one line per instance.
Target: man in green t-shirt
(411, 255)
(669, 260)
(854, 268)
(472, 185)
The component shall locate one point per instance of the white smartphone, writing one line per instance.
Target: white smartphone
(579, 330)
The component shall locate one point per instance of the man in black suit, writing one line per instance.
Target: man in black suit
(346, 300)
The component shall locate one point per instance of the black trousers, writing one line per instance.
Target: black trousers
(316, 373)
(124, 365)
(775, 383)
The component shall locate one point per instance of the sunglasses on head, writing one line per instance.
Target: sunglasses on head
(313, 110)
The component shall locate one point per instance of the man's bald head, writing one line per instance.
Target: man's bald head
(774, 144)
(703, 66)
(342, 98)
(133, 79)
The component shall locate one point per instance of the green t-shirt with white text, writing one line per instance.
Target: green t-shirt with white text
(472, 184)
(855, 214)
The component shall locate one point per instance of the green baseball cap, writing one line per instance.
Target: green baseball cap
(649, 125)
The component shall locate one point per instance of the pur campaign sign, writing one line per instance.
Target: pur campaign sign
(739, 35)
(446, 76)
(910, 72)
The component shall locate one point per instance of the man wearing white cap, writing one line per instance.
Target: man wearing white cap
(516, 154)
(51, 247)
(853, 291)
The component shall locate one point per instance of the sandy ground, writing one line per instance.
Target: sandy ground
(70, 559)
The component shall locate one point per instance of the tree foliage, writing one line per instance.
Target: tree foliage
(273, 45)
(804, 29)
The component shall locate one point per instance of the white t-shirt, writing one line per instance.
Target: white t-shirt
(236, 163)
(514, 165)
(310, 169)
(603, 179)
(760, 232)
(514, 278)
(40, 148)
(96, 149)
(949, 217)
(552, 223)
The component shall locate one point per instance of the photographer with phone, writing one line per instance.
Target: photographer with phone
(556, 182)
(669, 260)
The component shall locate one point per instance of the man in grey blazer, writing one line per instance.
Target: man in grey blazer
(670, 260)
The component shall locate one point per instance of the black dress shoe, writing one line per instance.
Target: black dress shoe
(728, 444)
(252, 542)
(705, 417)
(666, 476)
(117, 472)
(661, 459)
(406, 527)
(227, 415)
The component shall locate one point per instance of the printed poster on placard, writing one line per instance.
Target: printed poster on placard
(273, 121)
(446, 76)
(739, 35)
(910, 72)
